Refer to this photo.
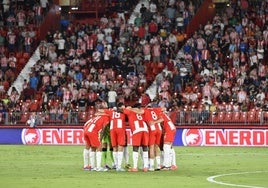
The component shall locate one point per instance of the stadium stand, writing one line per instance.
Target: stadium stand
(160, 49)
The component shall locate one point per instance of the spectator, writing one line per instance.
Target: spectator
(204, 115)
(38, 11)
(143, 9)
(153, 7)
(164, 103)
(32, 121)
(28, 93)
(11, 39)
(61, 46)
(170, 13)
(137, 20)
(206, 101)
(241, 96)
(21, 17)
(53, 113)
(121, 12)
(2, 88)
(195, 114)
(112, 95)
(45, 5)
(14, 97)
(82, 103)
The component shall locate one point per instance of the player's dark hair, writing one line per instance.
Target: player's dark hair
(137, 105)
(120, 104)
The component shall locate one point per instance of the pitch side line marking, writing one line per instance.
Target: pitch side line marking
(219, 154)
(212, 179)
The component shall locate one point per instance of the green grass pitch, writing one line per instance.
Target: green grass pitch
(61, 166)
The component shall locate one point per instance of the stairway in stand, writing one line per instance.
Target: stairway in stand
(89, 10)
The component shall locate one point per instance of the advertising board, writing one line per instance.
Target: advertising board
(184, 137)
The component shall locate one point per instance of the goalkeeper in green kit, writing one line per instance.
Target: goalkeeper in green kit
(106, 144)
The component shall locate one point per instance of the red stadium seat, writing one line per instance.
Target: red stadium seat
(265, 117)
(213, 118)
(252, 117)
(22, 61)
(24, 117)
(26, 55)
(38, 96)
(236, 117)
(82, 117)
(243, 117)
(161, 65)
(34, 106)
(228, 117)
(18, 55)
(219, 118)
(259, 116)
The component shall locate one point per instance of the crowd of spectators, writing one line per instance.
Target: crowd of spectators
(18, 34)
(225, 61)
(222, 67)
(87, 63)
(19, 22)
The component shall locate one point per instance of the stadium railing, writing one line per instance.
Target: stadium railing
(180, 118)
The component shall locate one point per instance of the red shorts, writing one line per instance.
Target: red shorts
(92, 139)
(118, 137)
(140, 139)
(155, 137)
(169, 136)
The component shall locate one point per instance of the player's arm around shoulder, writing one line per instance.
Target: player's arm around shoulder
(102, 112)
(136, 110)
(159, 120)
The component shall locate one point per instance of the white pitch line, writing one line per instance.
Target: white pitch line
(220, 154)
(212, 179)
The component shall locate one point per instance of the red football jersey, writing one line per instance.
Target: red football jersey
(152, 114)
(136, 121)
(117, 119)
(96, 123)
(168, 124)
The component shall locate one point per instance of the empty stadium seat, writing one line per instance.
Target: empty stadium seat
(34, 106)
(26, 55)
(18, 55)
(83, 117)
(24, 117)
(228, 117)
(236, 117)
(265, 117)
(219, 118)
(243, 117)
(251, 117)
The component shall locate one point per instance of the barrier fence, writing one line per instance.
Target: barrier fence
(180, 118)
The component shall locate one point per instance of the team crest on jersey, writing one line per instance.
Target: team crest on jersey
(192, 137)
(30, 136)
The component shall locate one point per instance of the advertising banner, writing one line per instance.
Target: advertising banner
(224, 137)
(184, 137)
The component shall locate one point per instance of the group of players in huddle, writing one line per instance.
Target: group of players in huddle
(152, 132)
